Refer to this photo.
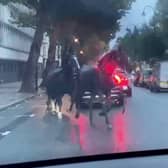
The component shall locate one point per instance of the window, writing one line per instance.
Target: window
(1, 67)
(4, 67)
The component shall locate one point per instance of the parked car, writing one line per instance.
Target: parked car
(145, 77)
(137, 79)
(123, 81)
(159, 77)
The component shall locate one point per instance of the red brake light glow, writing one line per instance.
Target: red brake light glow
(120, 79)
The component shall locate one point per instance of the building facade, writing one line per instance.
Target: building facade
(14, 45)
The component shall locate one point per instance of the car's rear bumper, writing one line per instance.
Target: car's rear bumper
(115, 97)
(163, 89)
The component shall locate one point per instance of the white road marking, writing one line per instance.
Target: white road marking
(5, 133)
(32, 115)
(19, 116)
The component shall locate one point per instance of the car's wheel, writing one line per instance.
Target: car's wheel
(156, 89)
(147, 86)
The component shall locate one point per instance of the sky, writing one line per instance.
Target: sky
(135, 17)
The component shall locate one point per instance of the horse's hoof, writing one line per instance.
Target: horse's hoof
(60, 116)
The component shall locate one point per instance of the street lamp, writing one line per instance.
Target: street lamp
(76, 40)
(81, 52)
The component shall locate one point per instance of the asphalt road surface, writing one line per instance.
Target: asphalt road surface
(28, 133)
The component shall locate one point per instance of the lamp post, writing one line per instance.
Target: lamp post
(76, 43)
(76, 40)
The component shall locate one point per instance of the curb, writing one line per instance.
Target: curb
(18, 102)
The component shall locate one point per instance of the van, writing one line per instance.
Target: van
(159, 77)
(146, 74)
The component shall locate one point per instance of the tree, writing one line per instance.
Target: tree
(97, 17)
(92, 19)
(160, 19)
(147, 43)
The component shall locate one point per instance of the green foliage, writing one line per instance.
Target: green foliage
(96, 15)
(144, 44)
(161, 19)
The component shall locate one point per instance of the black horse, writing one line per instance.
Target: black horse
(61, 81)
(93, 81)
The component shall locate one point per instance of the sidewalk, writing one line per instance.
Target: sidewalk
(9, 95)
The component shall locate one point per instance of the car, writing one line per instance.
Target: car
(159, 78)
(122, 87)
(123, 82)
(145, 77)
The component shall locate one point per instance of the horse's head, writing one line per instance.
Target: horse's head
(71, 67)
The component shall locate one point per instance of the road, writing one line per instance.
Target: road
(28, 133)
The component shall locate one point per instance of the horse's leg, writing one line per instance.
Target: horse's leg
(53, 109)
(48, 103)
(109, 126)
(124, 105)
(74, 95)
(77, 101)
(71, 105)
(105, 109)
(91, 109)
(59, 100)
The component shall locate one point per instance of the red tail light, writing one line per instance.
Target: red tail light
(117, 80)
(120, 79)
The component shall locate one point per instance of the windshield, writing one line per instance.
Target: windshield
(61, 94)
(147, 73)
